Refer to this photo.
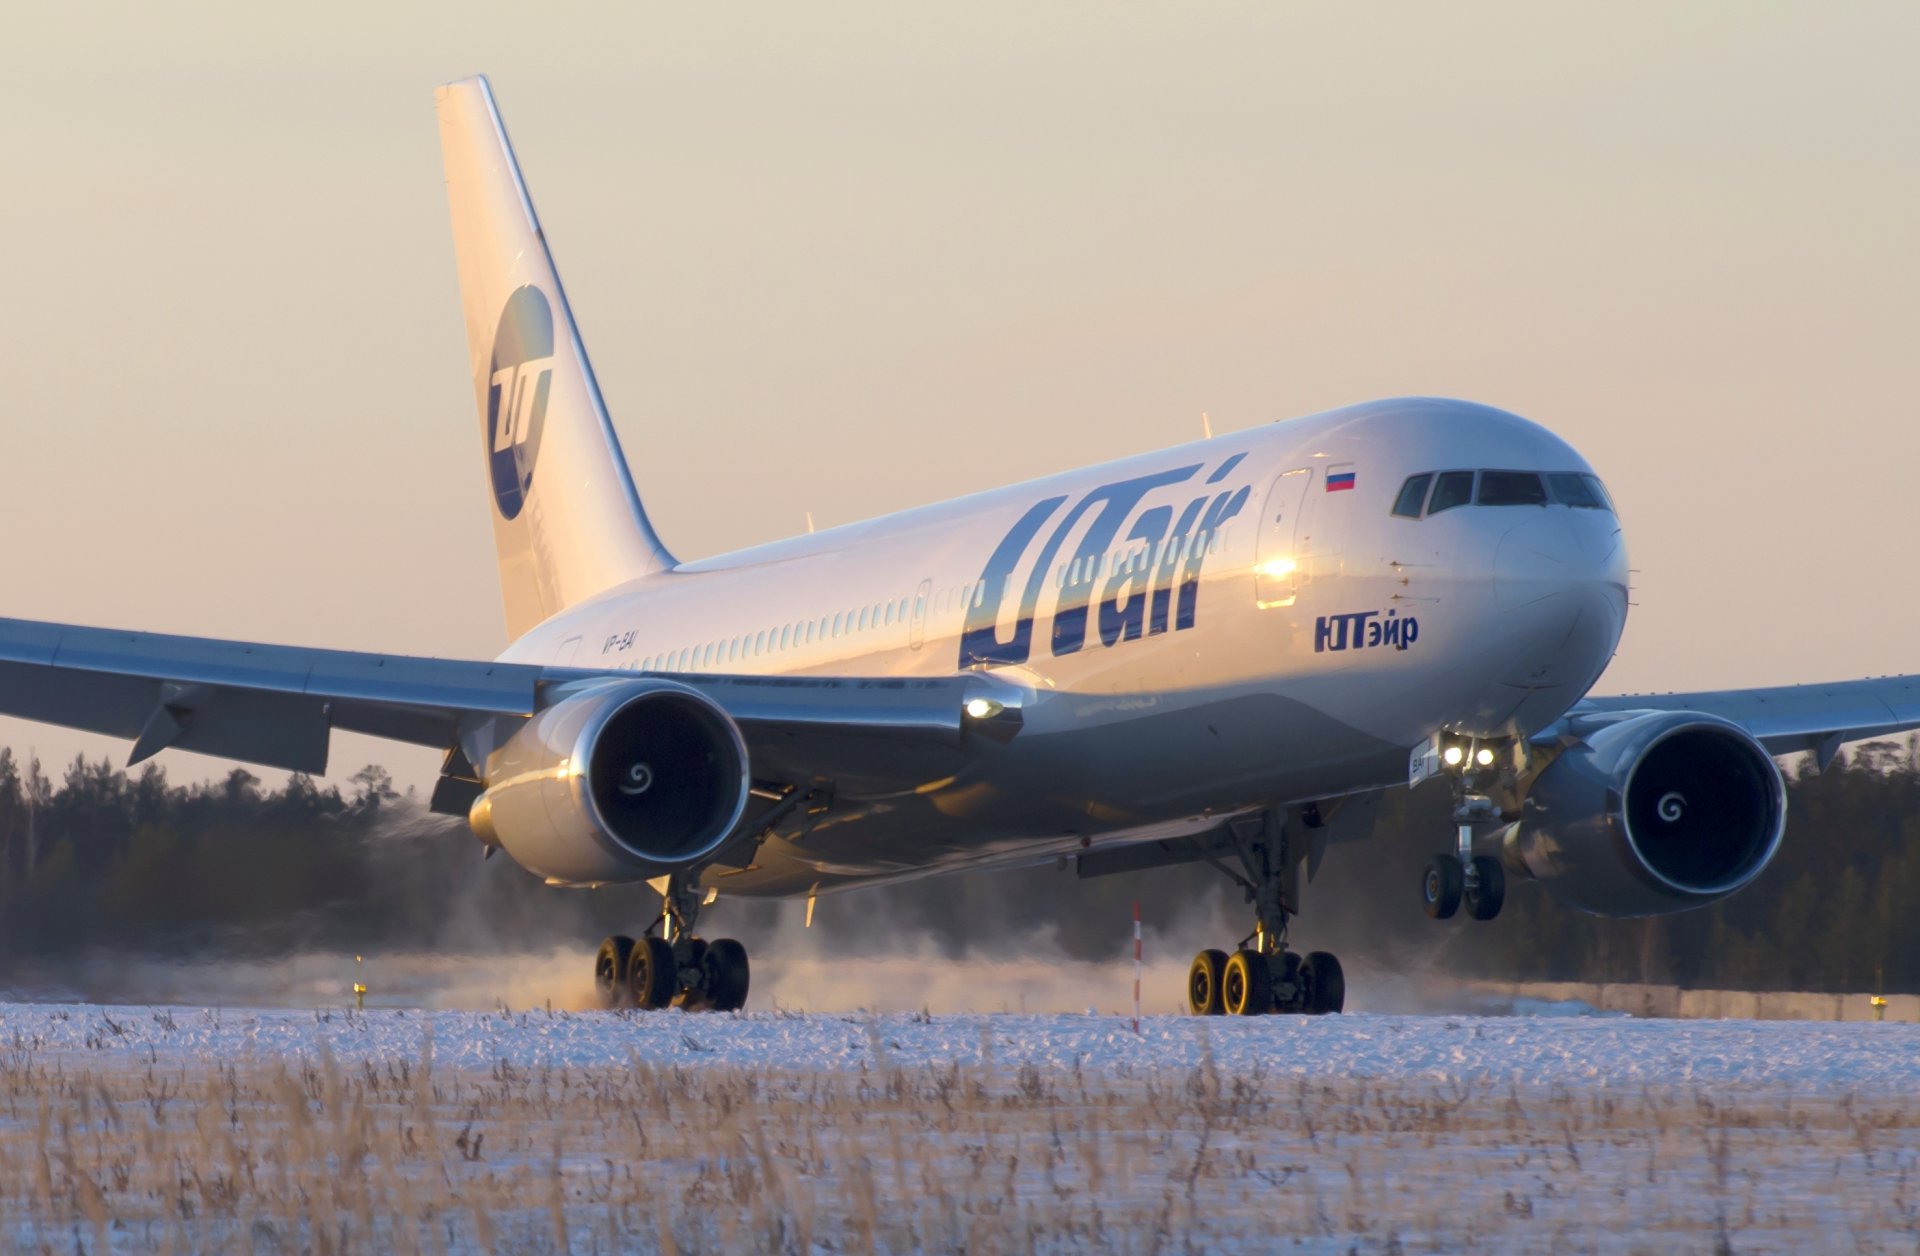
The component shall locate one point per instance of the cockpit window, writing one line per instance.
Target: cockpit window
(1511, 488)
(1452, 488)
(1413, 495)
(1582, 491)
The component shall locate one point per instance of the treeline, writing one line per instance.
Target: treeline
(229, 870)
(106, 861)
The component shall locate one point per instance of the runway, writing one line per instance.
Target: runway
(1542, 1050)
(132, 1129)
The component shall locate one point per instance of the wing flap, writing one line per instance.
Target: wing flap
(269, 704)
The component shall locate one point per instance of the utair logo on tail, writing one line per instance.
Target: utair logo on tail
(519, 379)
(1119, 583)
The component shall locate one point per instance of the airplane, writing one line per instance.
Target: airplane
(1222, 652)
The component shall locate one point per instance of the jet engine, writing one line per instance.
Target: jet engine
(622, 782)
(1652, 813)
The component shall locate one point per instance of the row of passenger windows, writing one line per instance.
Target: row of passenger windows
(714, 654)
(718, 654)
(1431, 492)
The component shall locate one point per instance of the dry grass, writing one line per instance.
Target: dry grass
(278, 1156)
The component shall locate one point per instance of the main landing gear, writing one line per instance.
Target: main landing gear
(1262, 975)
(669, 967)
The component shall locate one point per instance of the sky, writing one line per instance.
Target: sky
(848, 258)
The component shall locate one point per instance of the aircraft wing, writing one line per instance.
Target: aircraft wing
(1816, 718)
(277, 705)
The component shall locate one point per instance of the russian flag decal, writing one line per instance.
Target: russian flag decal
(1338, 481)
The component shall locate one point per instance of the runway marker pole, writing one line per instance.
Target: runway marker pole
(1136, 967)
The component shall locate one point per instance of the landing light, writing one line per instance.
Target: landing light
(1453, 755)
(1484, 758)
(983, 708)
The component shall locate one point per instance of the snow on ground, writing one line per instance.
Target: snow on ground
(126, 1129)
(1581, 1051)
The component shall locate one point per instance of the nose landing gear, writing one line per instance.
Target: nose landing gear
(1483, 775)
(671, 967)
(1262, 975)
(1453, 879)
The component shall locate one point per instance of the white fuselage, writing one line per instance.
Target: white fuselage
(1221, 625)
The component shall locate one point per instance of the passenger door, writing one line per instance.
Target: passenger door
(1276, 569)
(917, 632)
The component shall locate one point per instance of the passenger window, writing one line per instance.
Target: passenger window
(1452, 488)
(1413, 495)
(1511, 488)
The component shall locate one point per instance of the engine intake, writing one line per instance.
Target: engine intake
(621, 782)
(1653, 813)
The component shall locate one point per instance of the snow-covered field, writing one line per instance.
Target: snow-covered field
(134, 1128)
(1528, 1050)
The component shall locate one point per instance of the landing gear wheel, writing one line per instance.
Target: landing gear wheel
(1442, 886)
(724, 967)
(1290, 984)
(691, 998)
(652, 977)
(610, 971)
(1325, 982)
(1203, 983)
(1246, 987)
(1489, 889)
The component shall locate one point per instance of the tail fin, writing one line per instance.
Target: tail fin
(567, 520)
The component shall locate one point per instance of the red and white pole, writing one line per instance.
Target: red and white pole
(1136, 968)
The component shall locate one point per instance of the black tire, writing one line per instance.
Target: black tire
(610, 971)
(1489, 894)
(725, 968)
(652, 977)
(1289, 982)
(1203, 983)
(1441, 886)
(1246, 986)
(1326, 984)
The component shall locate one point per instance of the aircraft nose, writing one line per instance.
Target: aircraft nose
(1560, 581)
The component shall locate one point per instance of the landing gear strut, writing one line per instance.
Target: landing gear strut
(668, 966)
(1262, 975)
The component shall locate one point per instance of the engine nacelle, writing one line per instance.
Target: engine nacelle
(622, 782)
(1653, 813)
